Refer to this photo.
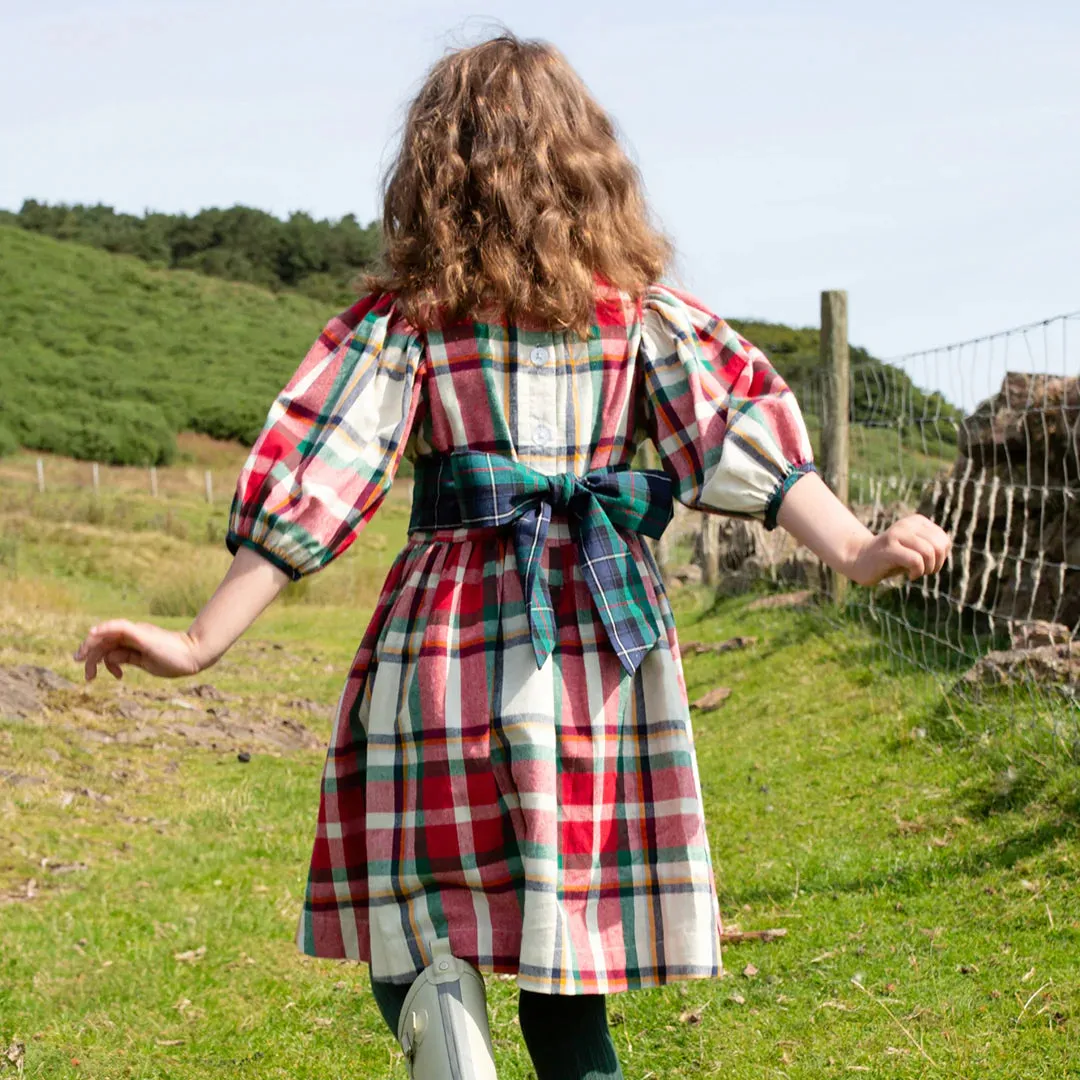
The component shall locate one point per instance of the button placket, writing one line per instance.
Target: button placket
(536, 398)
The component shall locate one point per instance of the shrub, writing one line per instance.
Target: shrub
(80, 426)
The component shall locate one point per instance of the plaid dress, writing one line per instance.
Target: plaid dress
(546, 819)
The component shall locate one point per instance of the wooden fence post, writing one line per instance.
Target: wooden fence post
(41, 476)
(153, 481)
(96, 474)
(836, 375)
(209, 486)
(710, 549)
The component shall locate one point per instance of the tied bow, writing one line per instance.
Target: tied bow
(490, 490)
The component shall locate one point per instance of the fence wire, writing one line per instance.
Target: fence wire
(993, 456)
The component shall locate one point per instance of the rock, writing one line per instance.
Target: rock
(686, 575)
(782, 600)
(1044, 664)
(205, 691)
(712, 700)
(1030, 414)
(7, 776)
(878, 516)
(739, 554)
(727, 645)
(15, 1054)
(1040, 632)
(180, 703)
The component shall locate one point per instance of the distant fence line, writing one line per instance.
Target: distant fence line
(95, 480)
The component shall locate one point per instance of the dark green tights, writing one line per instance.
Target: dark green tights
(567, 1037)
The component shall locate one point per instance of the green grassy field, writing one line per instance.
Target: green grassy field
(924, 867)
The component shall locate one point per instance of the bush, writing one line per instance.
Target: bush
(8, 443)
(79, 426)
(318, 257)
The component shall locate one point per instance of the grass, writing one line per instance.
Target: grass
(927, 875)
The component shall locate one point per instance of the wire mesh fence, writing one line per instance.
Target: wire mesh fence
(993, 456)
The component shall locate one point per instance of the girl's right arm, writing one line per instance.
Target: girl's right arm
(323, 463)
(247, 589)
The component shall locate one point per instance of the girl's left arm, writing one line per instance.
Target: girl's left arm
(914, 545)
(247, 589)
(732, 438)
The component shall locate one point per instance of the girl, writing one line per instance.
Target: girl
(511, 783)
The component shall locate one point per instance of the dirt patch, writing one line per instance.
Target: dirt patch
(23, 689)
(200, 715)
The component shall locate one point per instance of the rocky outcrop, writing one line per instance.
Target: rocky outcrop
(1012, 505)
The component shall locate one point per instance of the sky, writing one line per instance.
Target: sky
(923, 156)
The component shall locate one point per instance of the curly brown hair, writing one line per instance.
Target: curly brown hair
(511, 194)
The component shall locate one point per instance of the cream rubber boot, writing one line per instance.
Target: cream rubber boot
(443, 1027)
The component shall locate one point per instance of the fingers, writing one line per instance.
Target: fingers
(95, 655)
(925, 550)
(103, 639)
(116, 658)
(942, 546)
(906, 559)
(112, 628)
(933, 535)
(919, 546)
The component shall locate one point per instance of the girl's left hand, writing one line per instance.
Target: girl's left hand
(158, 651)
(914, 546)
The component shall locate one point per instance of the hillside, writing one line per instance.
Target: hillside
(881, 394)
(106, 357)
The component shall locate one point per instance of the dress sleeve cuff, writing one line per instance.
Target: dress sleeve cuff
(781, 489)
(233, 541)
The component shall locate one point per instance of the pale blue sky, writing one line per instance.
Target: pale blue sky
(924, 156)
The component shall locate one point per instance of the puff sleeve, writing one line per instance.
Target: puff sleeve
(332, 441)
(728, 428)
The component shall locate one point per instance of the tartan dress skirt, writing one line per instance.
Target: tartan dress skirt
(547, 821)
(498, 774)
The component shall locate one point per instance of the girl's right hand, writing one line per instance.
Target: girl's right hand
(167, 653)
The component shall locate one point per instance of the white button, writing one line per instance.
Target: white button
(539, 356)
(543, 434)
